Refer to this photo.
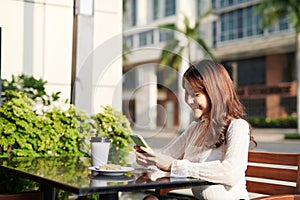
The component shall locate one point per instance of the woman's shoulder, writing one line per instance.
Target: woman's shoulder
(192, 126)
(239, 123)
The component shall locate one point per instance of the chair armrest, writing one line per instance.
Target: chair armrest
(280, 197)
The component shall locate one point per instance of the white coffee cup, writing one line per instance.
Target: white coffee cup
(100, 150)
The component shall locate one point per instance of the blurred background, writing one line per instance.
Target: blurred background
(112, 53)
(100, 56)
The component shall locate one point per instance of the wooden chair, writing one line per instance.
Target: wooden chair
(23, 196)
(280, 197)
(275, 174)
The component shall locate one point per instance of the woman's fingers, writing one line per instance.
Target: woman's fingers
(144, 159)
(141, 155)
(145, 156)
(141, 161)
(151, 160)
(148, 150)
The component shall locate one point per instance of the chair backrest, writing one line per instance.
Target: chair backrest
(273, 173)
(34, 195)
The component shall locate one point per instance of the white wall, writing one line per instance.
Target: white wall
(37, 40)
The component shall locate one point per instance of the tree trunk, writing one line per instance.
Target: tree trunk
(298, 78)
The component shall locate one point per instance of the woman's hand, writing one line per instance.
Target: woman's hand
(145, 156)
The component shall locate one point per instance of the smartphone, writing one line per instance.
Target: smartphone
(139, 140)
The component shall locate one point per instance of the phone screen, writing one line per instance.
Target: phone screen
(138, 140)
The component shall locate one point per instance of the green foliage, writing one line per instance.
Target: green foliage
(273, 11)
(35, 124)
(32, 87)
(292, 136)
(265, 122)
(23, 133)
(114, 125)
(172, 53)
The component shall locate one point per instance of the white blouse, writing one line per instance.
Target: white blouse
(225, 165)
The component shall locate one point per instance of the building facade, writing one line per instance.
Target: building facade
(260, 61)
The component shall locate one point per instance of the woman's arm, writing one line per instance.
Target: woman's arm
(163, 159)
(177, 147)
(227, 171)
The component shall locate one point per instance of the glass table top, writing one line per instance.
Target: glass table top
(74, 174)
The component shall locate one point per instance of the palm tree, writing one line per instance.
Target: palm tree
(173, 53)
(274, 10)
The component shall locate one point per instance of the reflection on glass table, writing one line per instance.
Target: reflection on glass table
(74, 174)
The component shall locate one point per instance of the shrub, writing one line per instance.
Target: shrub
(23, 133)
(33, 88)
(35, 124)
(264, 122)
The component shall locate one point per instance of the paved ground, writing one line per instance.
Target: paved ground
(271, 134)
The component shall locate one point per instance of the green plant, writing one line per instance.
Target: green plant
(115, 125)
(32, 87)
(35, 124)
(265, 122)
(23, 133)
(292, 136)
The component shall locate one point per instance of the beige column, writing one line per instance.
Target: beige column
(146, 97)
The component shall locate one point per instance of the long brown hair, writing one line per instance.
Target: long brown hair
(212, 79)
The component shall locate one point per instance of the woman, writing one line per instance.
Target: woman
(215, 146)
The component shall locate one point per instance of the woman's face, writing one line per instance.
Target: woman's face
(198, 101)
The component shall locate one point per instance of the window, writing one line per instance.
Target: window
(242, 23)
(170, 7)
(143, 39)
(165, 35)
(214, 34)
(226, 3)
(214, 4)
(146, 38)
(255, 107)
(289, 68)
(289, 104)
(249, 22)
(238, 24)
(129, 41)
(251, 72)
(283, 24)
(133, 13)
(155, 9)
